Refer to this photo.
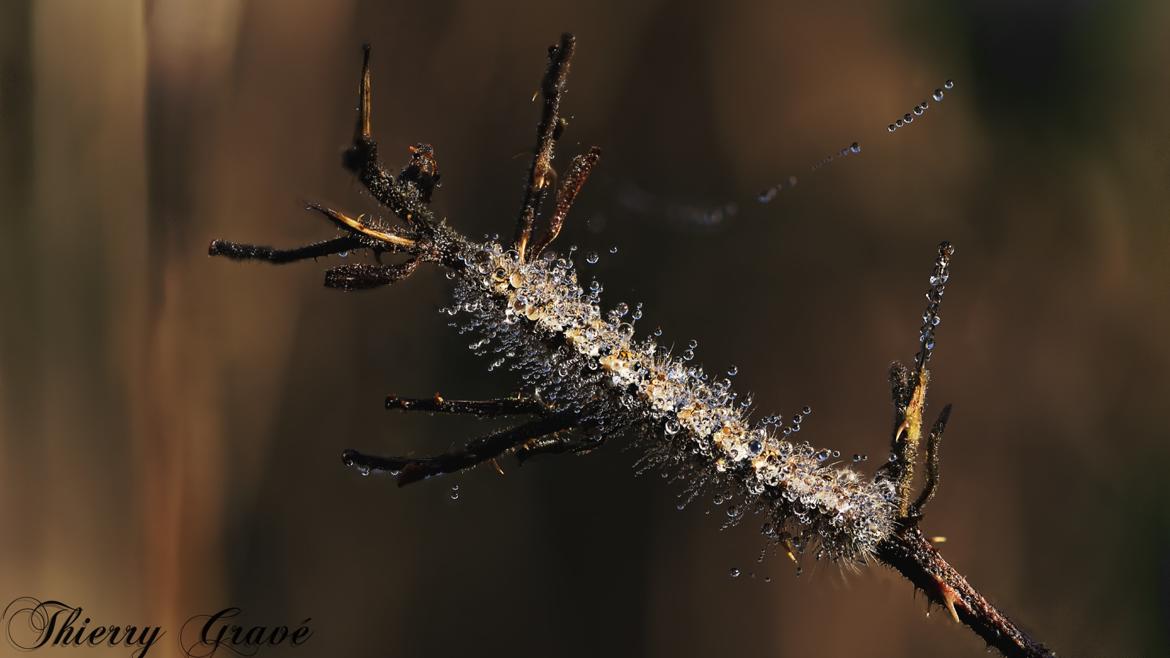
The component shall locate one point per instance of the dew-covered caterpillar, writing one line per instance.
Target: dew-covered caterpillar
(586, 377)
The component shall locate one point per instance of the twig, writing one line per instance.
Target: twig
(362, 276)
(593, 375)
(275, 256)
(409, 470)
(933, 441)
(540, 174)
(486, 408)
(906, 550)
(578, 173)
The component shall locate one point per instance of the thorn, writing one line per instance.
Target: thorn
(949, 596)
(534, 95)
(901, 430)
(357, 226)
(438, 398)
(938, 539)
(790, 551)
(496, 463)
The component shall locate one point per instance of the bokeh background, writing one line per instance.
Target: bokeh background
(170, 424)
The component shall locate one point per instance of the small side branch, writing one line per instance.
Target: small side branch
(540, 174)
(408, 470)
(933, 441)
(240, 251)
(362, 276)
(575, 180)
(483, 408)
(556, 445)
(909, 390)
(405, 197)
(939, 276)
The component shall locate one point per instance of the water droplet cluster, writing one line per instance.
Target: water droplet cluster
(770, 193)
(921, 108)
(852, 149)
(939, 276)
(536, 318)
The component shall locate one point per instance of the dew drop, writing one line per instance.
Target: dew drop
(455, 492)
(613, 249)
(937, 95)
(891, 127)
(343, 254)
(734, 572)
(949, 84)
(855, 148)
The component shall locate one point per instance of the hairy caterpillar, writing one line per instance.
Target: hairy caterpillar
(594, 367)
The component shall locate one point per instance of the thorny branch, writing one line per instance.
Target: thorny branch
(548, 431)
(907, 551)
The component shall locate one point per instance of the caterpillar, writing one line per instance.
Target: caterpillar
(578, 359)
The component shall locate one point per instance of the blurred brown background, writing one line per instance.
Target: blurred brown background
(170, 425)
